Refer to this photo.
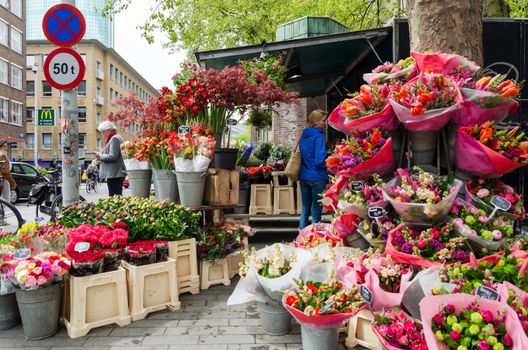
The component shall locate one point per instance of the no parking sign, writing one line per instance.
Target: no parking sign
(64, 25)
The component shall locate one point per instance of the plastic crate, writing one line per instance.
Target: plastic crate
(233, 263)
(260, 202)
(360, 331)
(283, 200)
(214, 273)
(184, 252)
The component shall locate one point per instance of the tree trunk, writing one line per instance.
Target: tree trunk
(446, 26)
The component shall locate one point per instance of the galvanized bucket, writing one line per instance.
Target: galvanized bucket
(9, 315)
(140, 181)
(355, 240)
(423, 147)
(166, 185)
(319, 339)
(274, 317)
(40, 311)
(191, 188)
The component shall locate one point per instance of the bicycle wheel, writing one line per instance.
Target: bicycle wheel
(56, 206)
(88, 185)
(10, 218)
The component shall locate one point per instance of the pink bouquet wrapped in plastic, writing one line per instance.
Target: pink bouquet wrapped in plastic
(398, 331)
(361, 195)
(387, 72)
(450, 321)
(346, 224)
(517, 299)
(338, 186)
(316, 234)
(458, 67)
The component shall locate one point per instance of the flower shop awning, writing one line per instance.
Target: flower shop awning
(319, 63)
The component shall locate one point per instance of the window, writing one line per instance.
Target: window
(30, 141)
(4, 3)
(16, 7)
(98, 118)
(47, 141)
(46, 89)
(98, 65)
(16, 40)
(4, 72)
(98, 144)
(82, 114)
(82, 141)
(111, 95)
(16, 112)
(4, 109)
(111, 71)
(81, 89)
(4, 33)
(116, 75)
(83, 56)
(29, 170)
(30, 114)
(13, 146)
(30, 88)
(121, 78)
(30, 61)
(98, 92)
(16, 77)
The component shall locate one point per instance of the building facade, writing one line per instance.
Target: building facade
(108, 76)
(12, 72)
(97, 27)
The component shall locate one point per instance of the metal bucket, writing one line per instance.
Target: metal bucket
(140, 181)
(319, 339)
(191, 188)
(40, 310)
(423, 147)
(355, 240)
(166, 185)
(274, 317)
(9, 315)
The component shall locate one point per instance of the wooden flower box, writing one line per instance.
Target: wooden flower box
(222, 187)
(214, 273)
(233, 263)
(360, 331)
(184, 252)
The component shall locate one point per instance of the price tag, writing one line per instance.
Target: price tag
(500, 203)
(375, 212)
(184, 130)
(487, 293)
(22, 253)
(325, 308)
(82, 247)
(357, 186)
(231, 122)
(365, 294)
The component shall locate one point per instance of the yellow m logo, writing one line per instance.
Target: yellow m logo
(46, 114)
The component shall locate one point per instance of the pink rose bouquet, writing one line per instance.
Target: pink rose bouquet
(481, 191)
(396, 330)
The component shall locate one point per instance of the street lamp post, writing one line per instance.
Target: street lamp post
(35, 114)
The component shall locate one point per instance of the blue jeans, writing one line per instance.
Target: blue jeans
(311, 192)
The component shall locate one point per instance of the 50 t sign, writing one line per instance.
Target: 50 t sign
(64, 68)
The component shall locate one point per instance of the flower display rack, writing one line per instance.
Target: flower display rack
(184, 252)
(222, 187)
(360, 331)
(214, 273)
(260, 202)
(152, 288)
(280, 176)
(283, 200)
(94, 301)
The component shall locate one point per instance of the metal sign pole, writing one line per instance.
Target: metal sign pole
(35, 115)
(70, 142)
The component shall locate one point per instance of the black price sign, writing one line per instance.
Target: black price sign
(487, 293)
(375, 212)
(22, 253)
(326, 308)
(357, 186)
(184, 130)
(500, 203)
(365, 294)
(231, 122)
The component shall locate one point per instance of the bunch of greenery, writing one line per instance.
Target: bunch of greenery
(261, 119)
(271, 65)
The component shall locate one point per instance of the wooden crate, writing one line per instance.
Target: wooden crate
(184, 252)
(360, 331)
(94, 301)
(214, 273)
(152, 288)
(260, 202)
(233, 263)
(222, 187)
(283, 200)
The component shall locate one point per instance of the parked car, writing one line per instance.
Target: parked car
(25, 176)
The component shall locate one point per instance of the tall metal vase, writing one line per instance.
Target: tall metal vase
(165, 185)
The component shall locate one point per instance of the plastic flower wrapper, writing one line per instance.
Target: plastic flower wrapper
(192, 153)
(396, 330)
(367, 109)
(458, 67)
(426, 246)
(376, 230)
(362, 155)
(480, 191)
(359, 196)
(482, 231)
(322, 304)
(488, 152)
(338, 186)
(388, 72)
(316, 234)
(134, 155)
(460, 322)
(268, 271)
(345, 224)
(517, 299)
(427, 102)
(325, 261)
(421, 197)
(204, 152)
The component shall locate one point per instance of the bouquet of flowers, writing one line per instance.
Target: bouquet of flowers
(135, 155)
(192, 153)
(313, 235)
(518, 301)
(376, 231)
(362, 195)
(140, 253)
(218, 241)
(388, 72)
(260, 174)
(427, 247)
(362, 155)
(490, 152)
(459, 68)
(322, 304)
(338, 186)
(345, 225)
(158, 151)
(427, 102)
(51, 237)
(396, 330)
(421, 196)
(34, 272)
(365, 110)
(480, 191)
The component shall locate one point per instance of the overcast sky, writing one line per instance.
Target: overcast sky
(152, 61)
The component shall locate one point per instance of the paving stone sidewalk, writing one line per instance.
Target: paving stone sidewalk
(203, 322)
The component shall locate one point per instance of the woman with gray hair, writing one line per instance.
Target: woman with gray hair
(112, 164)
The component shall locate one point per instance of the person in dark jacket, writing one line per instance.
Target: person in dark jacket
(313, 168)
(112, 164)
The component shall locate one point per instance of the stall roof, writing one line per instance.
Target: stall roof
(323, 60)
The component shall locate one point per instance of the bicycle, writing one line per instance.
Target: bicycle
(10, 218)
(91, 184)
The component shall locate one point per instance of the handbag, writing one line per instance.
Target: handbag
(294, 164)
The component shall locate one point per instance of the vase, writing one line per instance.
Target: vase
(40, 310)
(191, 188)
(423, 147)
(140, 181)
(276, 320)
(9, 314)
(319, 339)
(165, 185)
(224, 158)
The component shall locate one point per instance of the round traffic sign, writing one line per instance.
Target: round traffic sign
(64, 68)
(64, 25)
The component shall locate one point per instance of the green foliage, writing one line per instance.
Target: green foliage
(261, 119)
(262, 152)
(279, 152)
(253, 161)
(518, 8)
(271, 65)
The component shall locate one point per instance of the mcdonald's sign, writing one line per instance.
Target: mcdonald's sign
(46, 117)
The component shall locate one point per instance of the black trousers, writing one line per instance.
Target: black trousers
(115, 186)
